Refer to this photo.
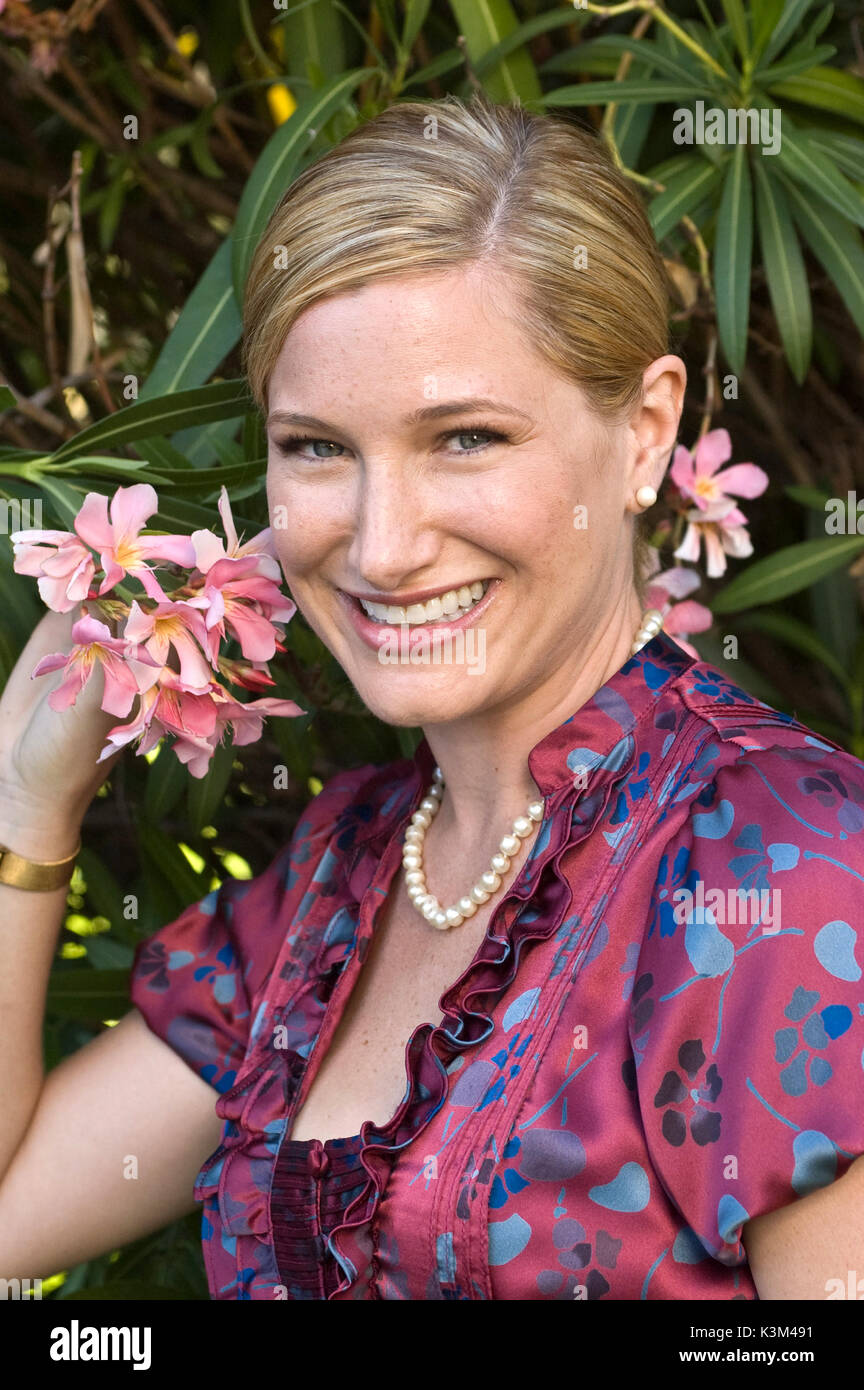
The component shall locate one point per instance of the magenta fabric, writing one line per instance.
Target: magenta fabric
(617, 1082)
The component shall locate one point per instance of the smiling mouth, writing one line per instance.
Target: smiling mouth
(449, 605)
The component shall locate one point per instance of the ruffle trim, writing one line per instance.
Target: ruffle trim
(258, 1107)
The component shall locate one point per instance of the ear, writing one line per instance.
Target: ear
(654, 425)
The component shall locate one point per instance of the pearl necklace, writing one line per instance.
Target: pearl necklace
(522, 828)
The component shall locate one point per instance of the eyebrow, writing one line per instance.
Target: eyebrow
(429, 412)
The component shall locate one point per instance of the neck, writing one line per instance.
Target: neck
(484, 757)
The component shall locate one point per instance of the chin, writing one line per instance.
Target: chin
(420, 700)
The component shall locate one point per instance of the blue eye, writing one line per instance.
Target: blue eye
(294, 445)
(468, 440)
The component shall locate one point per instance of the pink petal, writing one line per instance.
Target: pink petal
(689, 547)
(716, 560)
(130, 509)
(679, 581)
(78, 673)
(736, 542)
(254, 633)
(89, 629)
(208, 550)
(228, 526)
(121, 687)
(713, 448)
(179, 550)
(682, 471)
(92, 523)
(688, 616)
(743, 479)
(54, 596)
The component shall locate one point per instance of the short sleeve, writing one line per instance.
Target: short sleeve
(747, 1013)
(196, 979)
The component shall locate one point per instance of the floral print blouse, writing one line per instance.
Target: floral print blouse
(660, 1036)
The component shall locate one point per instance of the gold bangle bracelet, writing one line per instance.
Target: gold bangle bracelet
(36, 876)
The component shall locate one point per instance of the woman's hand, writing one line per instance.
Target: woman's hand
(49, 768)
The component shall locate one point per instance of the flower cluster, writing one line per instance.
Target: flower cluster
(703, 497)
(169, 654)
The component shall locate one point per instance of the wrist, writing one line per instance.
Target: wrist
(37, 832)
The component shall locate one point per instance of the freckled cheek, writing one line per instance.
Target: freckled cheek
(307, 526)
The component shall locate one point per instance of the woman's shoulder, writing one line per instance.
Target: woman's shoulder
(752, 755)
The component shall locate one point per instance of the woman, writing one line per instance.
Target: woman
(570, 1080)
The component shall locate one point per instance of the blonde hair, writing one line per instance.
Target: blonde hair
(428, 185)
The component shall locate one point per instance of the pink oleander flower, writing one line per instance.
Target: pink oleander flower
(122, 550)
(680, 619)
(128, 670)
(696, 476)
(166, 708)
(723, 529)
(62, 565)
(209, 548)
(168, 654)
(237, 597)
(176, 625)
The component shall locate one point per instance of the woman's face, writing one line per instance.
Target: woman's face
(424, 458)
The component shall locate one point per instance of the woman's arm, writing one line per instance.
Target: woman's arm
(795, 1252)
(118, 1134)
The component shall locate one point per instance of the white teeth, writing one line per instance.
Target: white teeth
(454, 601)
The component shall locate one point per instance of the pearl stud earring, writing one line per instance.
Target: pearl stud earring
(646, 496)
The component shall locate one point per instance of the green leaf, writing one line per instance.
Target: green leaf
(208, 482)
(836, 245)
(788, 24)
(166, 778)
(485, 24)
(814, 171)
(522, 34)
(104, 467)
(733, 250)
(684, 191)
(847, 151)
(829, 89)
(445, 62)
(793, 633)
(765, 15)
(199, 146)
(112, 207)
(88, 995)
(616, 45)
(160, 454)
(277, 165)
(631, 124)
(176, 514)
(622, 93)
(416, 14)
(7, 398)
(737, 17)
(785, 271)
(205, 793)
(64, 498)
(812, 497)
(787, 571)
(208, 328)
(223, 400)
(163, 854)
(792, 65)
(314, 36)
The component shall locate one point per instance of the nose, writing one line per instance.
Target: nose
(395, 536)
